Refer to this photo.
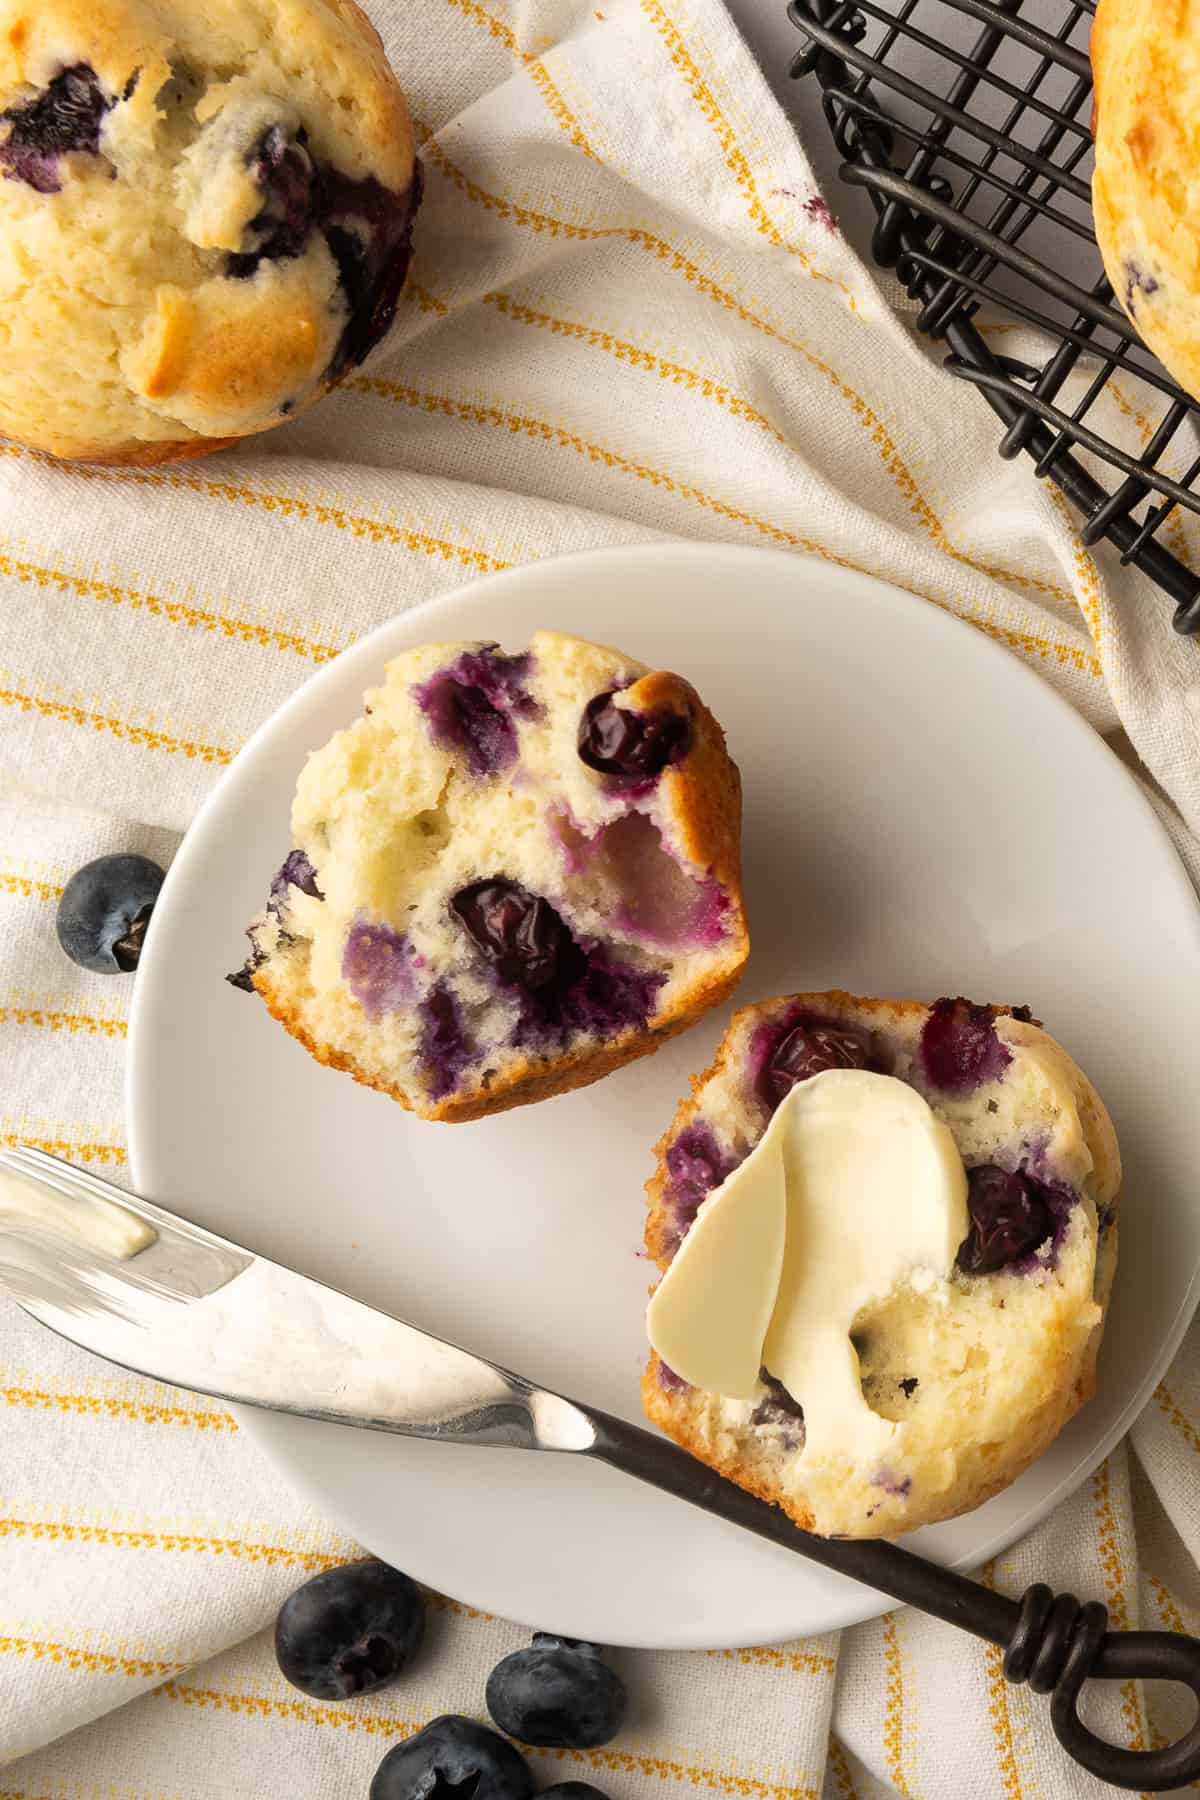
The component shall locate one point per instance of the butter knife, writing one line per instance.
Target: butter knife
(146, 1289)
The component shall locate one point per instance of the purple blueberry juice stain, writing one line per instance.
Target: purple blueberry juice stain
(576, 846)
(377, 966)
(816, 208)
(657, 900)
(778, 1409)
(296, 872)
(959, 1048)
(446, 1048)
(696, 1164)
(1137, 281)
(669, 1381)
(64, 118)
(472, 704)
(603, 997)
(885, 1479)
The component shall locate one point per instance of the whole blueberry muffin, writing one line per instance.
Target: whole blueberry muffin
(1146, 62)
(205, 217)
(513, 874)
(967, 1372)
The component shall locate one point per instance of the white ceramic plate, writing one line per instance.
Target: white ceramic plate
(923, 816)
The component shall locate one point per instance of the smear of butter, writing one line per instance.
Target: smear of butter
(98, 1224)
(710, 1314)
(854, 1188)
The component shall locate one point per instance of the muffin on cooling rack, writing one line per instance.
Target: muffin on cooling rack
(510, 876)
(205, 217)
(1146, 63)
(950, 1382)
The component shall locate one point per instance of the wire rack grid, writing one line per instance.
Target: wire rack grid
(968, 123)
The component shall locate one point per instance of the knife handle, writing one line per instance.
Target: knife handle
(1054, 1642)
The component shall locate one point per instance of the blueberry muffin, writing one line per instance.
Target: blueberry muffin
(971, 1374)
(205, 217)
(1146, 63)
(513, 874)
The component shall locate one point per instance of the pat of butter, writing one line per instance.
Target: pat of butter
(711, 1312)
(98, 1224)
(854, 1188)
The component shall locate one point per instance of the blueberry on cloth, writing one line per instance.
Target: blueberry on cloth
(453, 1759)
(104, 911)
(558, 1694)
(349, 1631)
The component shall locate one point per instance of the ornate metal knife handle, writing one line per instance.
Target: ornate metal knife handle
(1054, 1642)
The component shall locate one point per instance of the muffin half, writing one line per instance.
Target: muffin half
(975, 1357)
(513, 874)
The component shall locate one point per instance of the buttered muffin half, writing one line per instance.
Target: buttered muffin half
(887, 1234)
(206, 210)
(513, 874)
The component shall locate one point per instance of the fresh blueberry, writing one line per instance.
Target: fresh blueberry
(519, 933)
(696, 1164)
(64, 117)
(453, 1759)
(615, 741)
(1009, 1219)
(349, 1631)
(104, 912)
(811, 1049)
(558, 1694)
(572, 1790)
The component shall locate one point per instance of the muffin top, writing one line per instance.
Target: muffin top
(204, 215)
(1146, 59)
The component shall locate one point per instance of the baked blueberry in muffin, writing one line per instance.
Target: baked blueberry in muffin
(958, 1375)
(205, 217)
(513, 874)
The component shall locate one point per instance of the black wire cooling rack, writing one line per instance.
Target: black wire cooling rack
(968, 122)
